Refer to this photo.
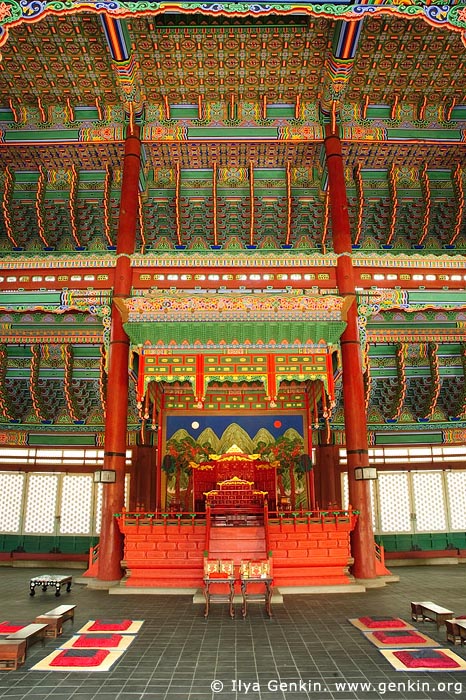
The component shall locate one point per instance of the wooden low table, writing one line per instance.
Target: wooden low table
(55, 618)
(225, 596)
(462, 630)
(30, 634)
(50, 580)
(12, 654)
(254, 595)
(456, 630)
(427, 610)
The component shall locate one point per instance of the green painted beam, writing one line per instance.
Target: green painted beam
(86, 351)
(86, 114)
(184, 112)
(92, 176)
(451, 371)
(382, 350)
(391, 372)
(57, 439)
(434, 135)
(233, 133)
(437, 297)
(18, 373)
(22, 136)
(413, 326)
(19, 299)
(280, 111)
(383, 372)
(414, 438)
(26, 177)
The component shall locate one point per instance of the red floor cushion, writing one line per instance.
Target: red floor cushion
(382, 621)
(10, 627)
(80, 657)
(98, 640)
(110, 626)
(425, 658)
(399, 637)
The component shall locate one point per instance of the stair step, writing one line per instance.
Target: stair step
(253, 555)
(174, 581)
(233, 546)
(166, 577)
(237, 543)
(237, 532)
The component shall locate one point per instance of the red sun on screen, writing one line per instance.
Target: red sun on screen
(277, 424)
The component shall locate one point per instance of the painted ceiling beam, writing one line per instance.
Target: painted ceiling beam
(338, 67)
(125, 65)
(187, 134)
(116, 34)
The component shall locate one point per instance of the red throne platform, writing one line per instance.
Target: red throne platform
(167, 550)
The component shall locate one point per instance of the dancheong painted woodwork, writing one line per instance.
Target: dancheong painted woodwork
(264, 203)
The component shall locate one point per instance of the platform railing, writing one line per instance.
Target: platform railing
(380, 553)
(314, 517)
(181, 519)
(92, 561)
(143, 519)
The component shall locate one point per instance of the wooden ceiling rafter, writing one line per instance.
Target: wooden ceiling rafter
(461, 204)
(393, 203)
(72, 207)
(426, 193)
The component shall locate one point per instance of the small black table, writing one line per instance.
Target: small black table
(50, 580)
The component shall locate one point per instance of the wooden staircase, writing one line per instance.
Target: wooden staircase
(237, 543)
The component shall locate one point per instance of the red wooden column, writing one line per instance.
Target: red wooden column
(353, 386)
(110, 547)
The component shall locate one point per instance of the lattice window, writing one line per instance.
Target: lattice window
(344, 490)
(41, 503)
(456, 491)
(10, 512)
(394, 502)
(429, 503)
(76, 504)
(373, 504)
